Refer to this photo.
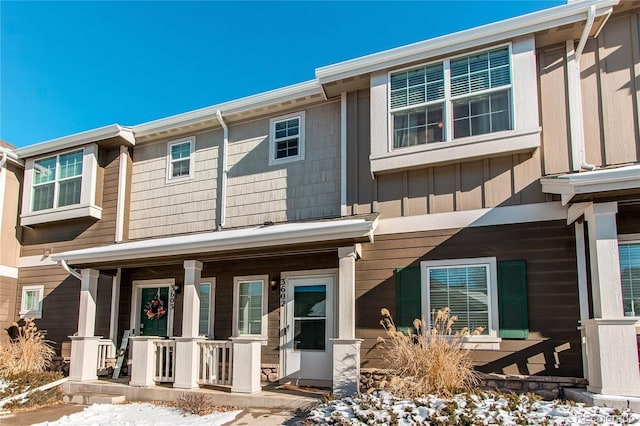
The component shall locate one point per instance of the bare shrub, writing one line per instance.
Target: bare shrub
(430, 361)
(195, 403)
(27, 351)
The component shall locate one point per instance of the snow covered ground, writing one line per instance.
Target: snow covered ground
(139, 414)
(383, 408)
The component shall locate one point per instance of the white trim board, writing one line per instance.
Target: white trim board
(8, 271)
(34, 261)
(473, 218)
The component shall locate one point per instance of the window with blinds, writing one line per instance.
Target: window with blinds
(630, 277)
(57, 181)
(464, 289)
(455, 98)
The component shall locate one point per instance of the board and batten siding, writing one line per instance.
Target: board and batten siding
(158, 208)
(307, 189)
(553, 344)
(610, 71)
(491, 182)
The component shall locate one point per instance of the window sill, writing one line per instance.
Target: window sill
(250, 338)
(31, 314)
(61, 213)
(464, 149)
(483, 343)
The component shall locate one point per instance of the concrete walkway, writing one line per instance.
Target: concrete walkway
(27, 418)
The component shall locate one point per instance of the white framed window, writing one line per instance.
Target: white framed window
(206, 291)
(61, 186)
(250, 295)
(458, 97)
(180, 159)
(31, 301)
(629, 252)
(469, 287)
(286, 138)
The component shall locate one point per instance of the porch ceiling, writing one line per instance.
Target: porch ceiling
(338, 232)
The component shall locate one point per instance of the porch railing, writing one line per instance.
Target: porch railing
(216, 357)
(165, 360)
(106, 352)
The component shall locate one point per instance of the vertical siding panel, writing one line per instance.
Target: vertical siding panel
(444, 186)
(470, 185)
(352, 152)
(591, 103)
(390, 195)
(555, 141)
(617, 86)
(498, 187)
(527, 172)
(365, 183)
(418, 189)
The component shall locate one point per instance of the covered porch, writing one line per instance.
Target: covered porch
(228, 309)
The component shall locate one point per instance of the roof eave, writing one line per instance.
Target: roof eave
(78, 139)
(485, 34)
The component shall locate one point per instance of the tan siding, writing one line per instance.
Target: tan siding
(360, 185)
(76, 234)
(555, 136)
(8, 296)
(498, 187)
(547, 247)
(591, 104)
(9, 220)
(160, 208)
(471, 179)
(390, 195)
(418, 192)
(444, 187)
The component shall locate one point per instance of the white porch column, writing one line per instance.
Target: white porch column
(84, 346)
(612, 353)
(186, 374)
(247, 353)
(143, 361)
(346, 348)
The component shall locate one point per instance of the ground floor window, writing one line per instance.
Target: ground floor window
(32, 297)
(630, 277)
(206, 291)
(250, 306)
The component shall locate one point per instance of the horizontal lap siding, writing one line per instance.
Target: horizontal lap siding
(8, 296)
(76, 234)
(549, 250)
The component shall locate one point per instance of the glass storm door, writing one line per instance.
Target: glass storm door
(154, 311)
(309, 327)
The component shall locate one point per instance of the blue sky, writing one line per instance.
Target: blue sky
(66, 67)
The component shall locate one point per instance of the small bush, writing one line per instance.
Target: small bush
(195, 403)
(430, 361)
(27, 351)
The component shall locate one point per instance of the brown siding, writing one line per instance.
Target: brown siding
(8, 296)
(61, 302)
(549, 250)
(77, 234)
(224, 272)
(9, 232)
(610, 69)
(360, 186)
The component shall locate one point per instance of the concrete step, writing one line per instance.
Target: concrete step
(93, 398)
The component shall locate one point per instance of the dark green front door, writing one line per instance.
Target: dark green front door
(154, 311)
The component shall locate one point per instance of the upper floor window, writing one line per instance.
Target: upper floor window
(180, 159)
(57, 181)
(454, 98)
(286, 138)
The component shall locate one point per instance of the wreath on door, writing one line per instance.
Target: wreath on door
(155, 308)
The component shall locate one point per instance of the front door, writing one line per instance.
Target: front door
(152, 313)
(309, 326)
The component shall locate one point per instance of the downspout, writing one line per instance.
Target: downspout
(4, 159)
(578, 128)
(225, 154)
(67, 268)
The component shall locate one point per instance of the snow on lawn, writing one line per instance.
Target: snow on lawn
(489, 408)
(4, 384)
(139, 414)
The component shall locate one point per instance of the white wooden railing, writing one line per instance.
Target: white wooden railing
(216, 358)
(165, 360)
(106, 351)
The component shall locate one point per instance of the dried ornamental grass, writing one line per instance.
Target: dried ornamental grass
(27, 352)
(430, 361)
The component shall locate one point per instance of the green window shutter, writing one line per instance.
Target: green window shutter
(407, 297)
(512, 299)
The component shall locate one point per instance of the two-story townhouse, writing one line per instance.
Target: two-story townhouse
(492, 171)
(10, 178)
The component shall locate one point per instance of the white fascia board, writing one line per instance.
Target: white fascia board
(288, 93)
(485, 34)
(293, 233)
(11, 156)
(538, 212)
(595, 181)
(78, 139)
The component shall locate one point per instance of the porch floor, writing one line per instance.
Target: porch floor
(267, 398)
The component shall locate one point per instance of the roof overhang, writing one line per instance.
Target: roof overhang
(8, 154)
(467, 39)
(359, 230)
(598, 181)
(284, 96)
(121, 134)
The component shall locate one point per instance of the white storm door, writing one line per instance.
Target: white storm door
(309, 316)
